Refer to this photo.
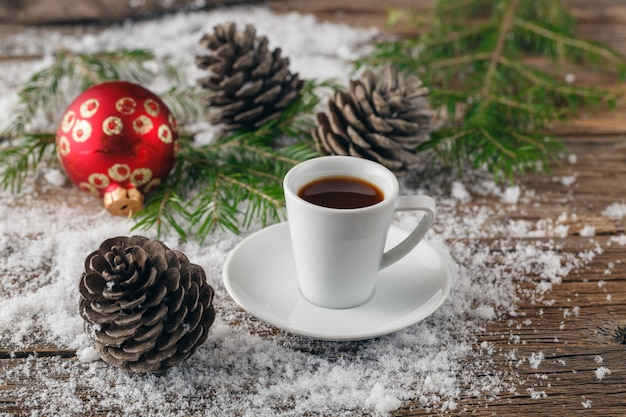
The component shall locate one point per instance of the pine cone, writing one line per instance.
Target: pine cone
(146, 307)
(383, 119)
(250, 85)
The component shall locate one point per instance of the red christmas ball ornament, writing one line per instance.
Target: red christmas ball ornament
(118, 141)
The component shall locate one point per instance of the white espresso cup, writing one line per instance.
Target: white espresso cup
(339, 251)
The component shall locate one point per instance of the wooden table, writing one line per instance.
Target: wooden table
(599, 141)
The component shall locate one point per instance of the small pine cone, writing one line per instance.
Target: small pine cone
(383, 119)
(146, 307)
(249, 85)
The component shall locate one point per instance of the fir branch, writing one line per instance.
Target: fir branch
(129, 65)
(237, 179)
(45, 91)
(166, 213)
(496, 106)
(34, 95)
(228, 183)
(497, 143)
(184, 102)
(539, 79)
(20, 160)
(562, 41)
(496, 54)
(214, 208)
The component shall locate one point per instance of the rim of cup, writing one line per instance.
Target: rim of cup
(338, 165)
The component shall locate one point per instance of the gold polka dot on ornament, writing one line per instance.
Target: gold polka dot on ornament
(140, 176)
(63, 146)
(152, 107)
(89, 107)
(119, 172)
(112, 125)
(89, 188)
(152, 185)
(126, 105)
(142, 125)
(81, 131)
(99, 180)
(68, 121)
(165, 134)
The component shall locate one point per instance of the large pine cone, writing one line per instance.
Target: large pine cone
(250, 85)
(146, 307)
(383, 119)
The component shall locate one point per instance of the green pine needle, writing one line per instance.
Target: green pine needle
(234, 180)
(477, 60)
(44, 92)
(22, 159)
(49, 91)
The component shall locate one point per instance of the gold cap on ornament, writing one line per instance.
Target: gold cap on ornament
(123, 202)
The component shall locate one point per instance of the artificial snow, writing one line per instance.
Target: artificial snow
(568, 180)
(55, 176)
(87, 354)
(619, 239)
(588, 230)
(48, 229)
(460, 193)
(511, 195)
(536, 359)
(615, 211)
(381, 401)
(602, 371)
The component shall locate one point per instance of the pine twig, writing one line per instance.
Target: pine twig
(46, 90)
(496, 105)
(562, 41)
(19, 161)
(228, 183)
(496, 54)
(235, 179)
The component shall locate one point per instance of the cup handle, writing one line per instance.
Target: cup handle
(406, 203)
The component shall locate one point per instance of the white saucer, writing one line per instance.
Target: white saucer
(260, 275)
